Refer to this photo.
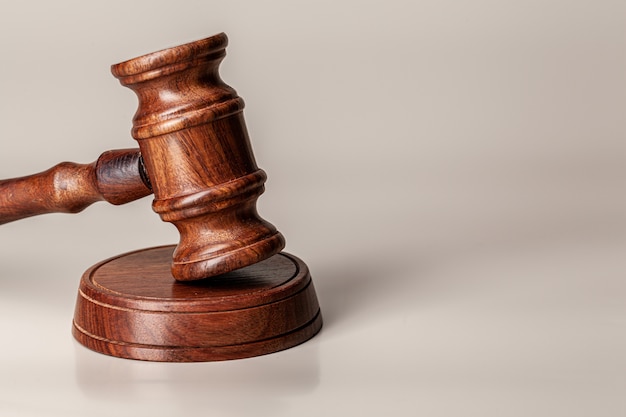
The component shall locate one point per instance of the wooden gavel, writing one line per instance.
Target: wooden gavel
(194, 155)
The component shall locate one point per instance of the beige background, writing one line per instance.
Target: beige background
(452, 172)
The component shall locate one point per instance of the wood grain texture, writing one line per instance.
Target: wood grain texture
(131, 307)
(193, 138)
(116, 177)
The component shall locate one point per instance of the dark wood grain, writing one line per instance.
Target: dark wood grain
(193, 138)
(130, 306)
(69, 187)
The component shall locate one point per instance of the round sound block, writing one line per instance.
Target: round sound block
(131, 307)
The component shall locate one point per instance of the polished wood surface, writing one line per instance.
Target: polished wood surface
(195, 145)
(116, 176)
(130, 306)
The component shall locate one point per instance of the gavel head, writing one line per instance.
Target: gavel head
(197, 154)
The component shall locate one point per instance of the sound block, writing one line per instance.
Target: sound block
(131, 307)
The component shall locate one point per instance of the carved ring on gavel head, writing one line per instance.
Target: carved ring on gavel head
(194, 142)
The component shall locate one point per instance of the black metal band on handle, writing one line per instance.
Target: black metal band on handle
(143, 173)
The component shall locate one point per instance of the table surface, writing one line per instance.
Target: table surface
(507, 329)
(451, 172)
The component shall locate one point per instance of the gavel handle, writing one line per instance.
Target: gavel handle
(117, 176)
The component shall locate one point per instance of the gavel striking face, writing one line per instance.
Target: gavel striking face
(196, 156)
